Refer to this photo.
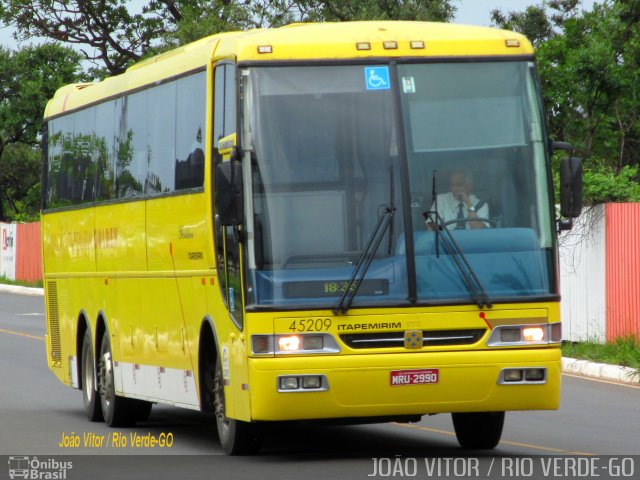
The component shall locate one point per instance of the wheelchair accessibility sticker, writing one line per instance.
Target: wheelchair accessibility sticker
(377, 78)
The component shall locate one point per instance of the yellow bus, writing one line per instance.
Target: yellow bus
(256, 225)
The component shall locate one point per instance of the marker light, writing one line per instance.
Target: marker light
(265, 49)
(391, 45)
(287, 344)
(417, 44)
(512, 43)
(363, 46)
(533, 334)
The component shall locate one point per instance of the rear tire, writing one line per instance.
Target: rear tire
(118, 411)
(90, 397)
(236, 437)
(478, 431)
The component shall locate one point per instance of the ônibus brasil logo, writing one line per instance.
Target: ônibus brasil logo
(33, 468)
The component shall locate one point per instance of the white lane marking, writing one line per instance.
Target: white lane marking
(29, 314)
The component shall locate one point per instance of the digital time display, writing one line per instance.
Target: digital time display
(333, 288)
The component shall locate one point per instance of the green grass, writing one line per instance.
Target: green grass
(624, 351)
(20, 283)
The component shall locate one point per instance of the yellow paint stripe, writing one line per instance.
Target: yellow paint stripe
(11, 332)
(503, 442)
(599, 380)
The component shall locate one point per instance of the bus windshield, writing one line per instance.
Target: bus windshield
(331, 146)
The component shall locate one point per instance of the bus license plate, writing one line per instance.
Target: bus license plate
(414, 377)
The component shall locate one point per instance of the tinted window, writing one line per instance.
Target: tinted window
(146, 143)
(161, 111)
(190, 128)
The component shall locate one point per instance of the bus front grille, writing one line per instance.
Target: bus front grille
(430, 338)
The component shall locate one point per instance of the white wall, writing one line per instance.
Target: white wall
(582, 277)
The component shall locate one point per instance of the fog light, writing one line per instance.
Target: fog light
(289, 344)
(260, 343)
(311, 382)
(533, 334)
(312, 342)
(513, 375)
(534, 374)
(509, 335)
(289, 383)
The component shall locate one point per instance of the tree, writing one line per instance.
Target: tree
(28, 78)
(110, 34)
(589, 64)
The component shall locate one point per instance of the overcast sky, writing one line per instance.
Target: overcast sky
(474, 12)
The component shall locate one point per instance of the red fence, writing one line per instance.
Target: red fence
(28, 252)
(622, 270)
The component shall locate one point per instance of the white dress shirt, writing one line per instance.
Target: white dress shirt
(448, 207)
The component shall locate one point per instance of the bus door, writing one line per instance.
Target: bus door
(232, 343)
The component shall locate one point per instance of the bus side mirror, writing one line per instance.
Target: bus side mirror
(570, 187)
(229, 198)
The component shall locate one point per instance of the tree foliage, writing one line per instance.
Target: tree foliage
(28, 78)
(589, 64)
(111, 34)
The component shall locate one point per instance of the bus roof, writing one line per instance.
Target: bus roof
(303, 41)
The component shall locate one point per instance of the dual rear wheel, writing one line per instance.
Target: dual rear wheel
(98, 389)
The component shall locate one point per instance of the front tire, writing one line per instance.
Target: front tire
(90, 397)
(236, 437)
(478, 431)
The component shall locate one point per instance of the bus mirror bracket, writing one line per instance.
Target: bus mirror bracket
(229, 197)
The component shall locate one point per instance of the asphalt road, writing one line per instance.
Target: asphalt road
(36, 411)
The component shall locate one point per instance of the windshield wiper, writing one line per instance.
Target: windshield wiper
(366, 257)
(469, 277)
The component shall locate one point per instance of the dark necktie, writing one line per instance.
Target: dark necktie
(460, 224)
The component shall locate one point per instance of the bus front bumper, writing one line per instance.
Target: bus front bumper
(361, 385)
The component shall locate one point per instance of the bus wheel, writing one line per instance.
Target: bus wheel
(236, 437)
(478, 431)
(90, 399)
(118, 411)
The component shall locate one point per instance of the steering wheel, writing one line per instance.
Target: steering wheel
(469, 219)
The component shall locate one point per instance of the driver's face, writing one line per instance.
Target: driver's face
(459, 185)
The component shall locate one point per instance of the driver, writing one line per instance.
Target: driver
(460, 207)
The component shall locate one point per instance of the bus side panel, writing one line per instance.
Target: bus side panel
(177, 234)
(68, 246)
(120, 238)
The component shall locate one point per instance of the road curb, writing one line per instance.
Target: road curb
(602, 371)
(22, 290)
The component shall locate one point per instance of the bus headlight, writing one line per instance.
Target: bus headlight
(289, 344)
(533, 334)
(519, 335)
(293, 344)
